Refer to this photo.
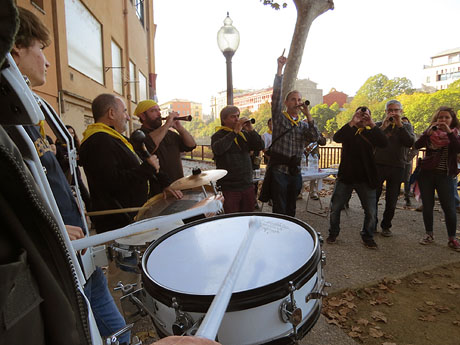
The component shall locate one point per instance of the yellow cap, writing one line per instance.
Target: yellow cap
(144, 106)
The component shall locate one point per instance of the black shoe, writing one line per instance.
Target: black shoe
(370, 243)
(386, 233)
(331, 239)
(408, 203)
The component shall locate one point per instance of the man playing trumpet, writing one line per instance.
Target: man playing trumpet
(231, 145)
(289, 137)
(162, 140)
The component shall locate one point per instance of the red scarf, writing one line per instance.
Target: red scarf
(439, 139)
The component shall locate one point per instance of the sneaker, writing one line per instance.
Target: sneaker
(314, 196)
(454, 244)
(428, 239)
(331, 239)
(370, 243)
(386, 232)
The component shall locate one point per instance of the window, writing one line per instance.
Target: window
(38, 3)
(117, 70)
(140, 10)
(132, 81)
(85, 55)
(142, 87)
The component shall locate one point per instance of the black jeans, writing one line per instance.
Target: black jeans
(393, 177)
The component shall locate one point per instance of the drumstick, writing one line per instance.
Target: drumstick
(211, 322)
(144, 225)
(114, 211)
(283, 51)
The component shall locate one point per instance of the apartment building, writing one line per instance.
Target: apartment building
(183, 107)
(443, 70)
(253, 99)
(98, 47)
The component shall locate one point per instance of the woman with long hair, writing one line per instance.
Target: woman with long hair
(438, 171)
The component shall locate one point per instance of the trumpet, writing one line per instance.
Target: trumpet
(181, 118)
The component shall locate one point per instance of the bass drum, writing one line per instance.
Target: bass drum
(183, 270)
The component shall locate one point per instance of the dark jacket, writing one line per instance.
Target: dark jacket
(116, 179)
(235, 158)
(39, 299)
(357, 163)
(452, 150)
(399, 140)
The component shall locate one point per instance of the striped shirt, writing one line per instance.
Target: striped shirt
(293, 142)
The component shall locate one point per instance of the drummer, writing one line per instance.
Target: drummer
(27, 52)
(231, 145)
(116, 177)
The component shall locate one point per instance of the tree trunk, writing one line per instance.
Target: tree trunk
(307, 12)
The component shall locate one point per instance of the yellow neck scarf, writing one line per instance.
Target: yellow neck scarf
(41, 124)
(269, 131)
(101, 127)
(294, 122)
(228, 129)
(360, 130)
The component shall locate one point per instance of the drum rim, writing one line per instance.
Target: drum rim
(240, 300)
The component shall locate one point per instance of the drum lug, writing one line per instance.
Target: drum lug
(318, 293)
(184, 322)
(323, 257)
(320, 238)
(288, 309)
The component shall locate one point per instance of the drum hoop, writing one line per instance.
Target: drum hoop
(239, 300)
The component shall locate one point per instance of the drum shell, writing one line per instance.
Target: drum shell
(250, 309)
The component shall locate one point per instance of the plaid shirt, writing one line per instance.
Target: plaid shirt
(293, 142)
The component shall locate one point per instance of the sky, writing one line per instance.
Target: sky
(345, 46)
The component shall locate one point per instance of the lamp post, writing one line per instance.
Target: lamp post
(228, 40)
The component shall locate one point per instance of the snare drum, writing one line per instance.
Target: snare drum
(183, 270)
(128, 251)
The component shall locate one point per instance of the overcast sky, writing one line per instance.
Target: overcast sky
(345, 46)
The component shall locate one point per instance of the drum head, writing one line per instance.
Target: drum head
(194, 259)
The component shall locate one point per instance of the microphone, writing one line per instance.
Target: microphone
(137, 139)
(180, 118)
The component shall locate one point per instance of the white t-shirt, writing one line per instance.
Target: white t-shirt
(267, 137)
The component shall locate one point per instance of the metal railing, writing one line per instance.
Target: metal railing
(329, 155)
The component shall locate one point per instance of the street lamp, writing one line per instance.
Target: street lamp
(228, 40)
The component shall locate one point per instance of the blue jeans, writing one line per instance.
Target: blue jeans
(284, 190)
(341, 195)
(108, 318)
(428, 181)
(393, 176)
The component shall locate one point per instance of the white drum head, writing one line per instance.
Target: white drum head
(196, 259)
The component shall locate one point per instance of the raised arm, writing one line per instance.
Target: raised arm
(276, 97)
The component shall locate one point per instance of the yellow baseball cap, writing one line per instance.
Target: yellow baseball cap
(144, 106)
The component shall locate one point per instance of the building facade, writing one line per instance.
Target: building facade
(443, 70)
(98, 47)
(183, 107)
(253, 99)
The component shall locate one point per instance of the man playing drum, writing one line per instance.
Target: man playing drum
(116, 177)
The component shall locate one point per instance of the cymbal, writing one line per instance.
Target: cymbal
(198, 180)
